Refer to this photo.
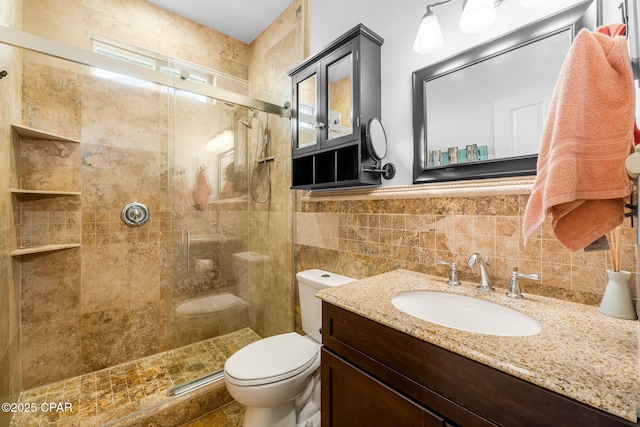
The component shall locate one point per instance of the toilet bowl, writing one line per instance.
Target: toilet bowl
(275, 378)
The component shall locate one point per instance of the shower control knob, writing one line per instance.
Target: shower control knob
(135, 214)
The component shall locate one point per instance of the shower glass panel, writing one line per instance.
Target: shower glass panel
(126, 307)
(220, 162)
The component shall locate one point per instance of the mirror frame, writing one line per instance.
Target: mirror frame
(574, 18)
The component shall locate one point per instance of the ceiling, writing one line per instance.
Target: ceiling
(241, 19)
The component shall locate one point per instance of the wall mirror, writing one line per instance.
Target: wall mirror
(480, 114)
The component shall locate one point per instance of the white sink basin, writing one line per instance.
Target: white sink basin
(466, 313)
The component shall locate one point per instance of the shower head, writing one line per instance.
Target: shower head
(248, 121)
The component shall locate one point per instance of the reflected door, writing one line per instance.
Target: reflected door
(340, 97)
(338, 111)
(308, 125)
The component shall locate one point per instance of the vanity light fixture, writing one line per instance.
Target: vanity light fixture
(477, 16)
(429, 38)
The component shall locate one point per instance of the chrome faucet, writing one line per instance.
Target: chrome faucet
(514, 288)
(485, 283)
(453, 273)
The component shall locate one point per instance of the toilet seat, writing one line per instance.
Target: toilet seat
(271, 360)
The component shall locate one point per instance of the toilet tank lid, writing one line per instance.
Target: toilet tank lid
(321, 279)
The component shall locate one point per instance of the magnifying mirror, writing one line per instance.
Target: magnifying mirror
(376, 140)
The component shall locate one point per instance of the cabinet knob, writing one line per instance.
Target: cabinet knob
(319, 125)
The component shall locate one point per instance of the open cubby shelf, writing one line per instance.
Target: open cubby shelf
(329, 169)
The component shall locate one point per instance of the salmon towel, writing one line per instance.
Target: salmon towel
(581, 178)
(202, 190)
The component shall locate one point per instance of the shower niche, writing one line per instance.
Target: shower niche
(335, 94)
(45, 187)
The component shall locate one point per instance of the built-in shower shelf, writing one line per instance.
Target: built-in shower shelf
(45, 172)
(27, 132)
(46, 192)
(43, 248)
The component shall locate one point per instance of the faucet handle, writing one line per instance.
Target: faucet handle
(453, 273)
(514, 287)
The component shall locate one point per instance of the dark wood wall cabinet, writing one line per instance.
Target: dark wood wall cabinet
(376, 375)
(335, 93)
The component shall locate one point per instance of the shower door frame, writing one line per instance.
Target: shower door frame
(31, 42)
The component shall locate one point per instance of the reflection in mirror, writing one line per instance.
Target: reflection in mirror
(307, 105)
(504, 108)
(340, 97)
(481, 113)
(376, 139)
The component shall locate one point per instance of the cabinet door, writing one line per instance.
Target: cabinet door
(340, 112)
(350, 397)
(306, 123)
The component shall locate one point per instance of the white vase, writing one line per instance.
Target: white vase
(617, 300)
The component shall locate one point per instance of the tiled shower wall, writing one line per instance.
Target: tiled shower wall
(10, 93)
(109, 301)
(360, 237)
(279, 48)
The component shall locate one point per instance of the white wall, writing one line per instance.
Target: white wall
(398, 26)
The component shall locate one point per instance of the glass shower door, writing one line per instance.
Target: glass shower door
(208, 314)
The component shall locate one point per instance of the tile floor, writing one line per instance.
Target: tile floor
(104, 396)
(230, 415)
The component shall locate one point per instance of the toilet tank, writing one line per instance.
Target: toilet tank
(310, 282)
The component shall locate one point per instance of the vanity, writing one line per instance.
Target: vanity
(382, 366)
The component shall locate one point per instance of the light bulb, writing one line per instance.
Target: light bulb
(477, 15)
(429, 38)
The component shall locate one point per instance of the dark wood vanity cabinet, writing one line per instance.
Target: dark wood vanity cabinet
(358, 399)
(335, 93)
(376, 375)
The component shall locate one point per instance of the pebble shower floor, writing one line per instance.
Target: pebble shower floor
(104, 396)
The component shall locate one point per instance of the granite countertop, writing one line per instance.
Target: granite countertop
(580, 353)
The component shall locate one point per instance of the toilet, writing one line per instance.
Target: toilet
(277, 378)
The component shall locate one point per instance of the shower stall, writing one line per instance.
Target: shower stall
(116, 316)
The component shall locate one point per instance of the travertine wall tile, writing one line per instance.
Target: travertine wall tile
(49, 165)
(10, 109)
(133, 118)
(54, 101)
(138, 178)
(450, 229)
(130, 277)
(116, 335)
(122, 275)
(50, 309)
(273, 53)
